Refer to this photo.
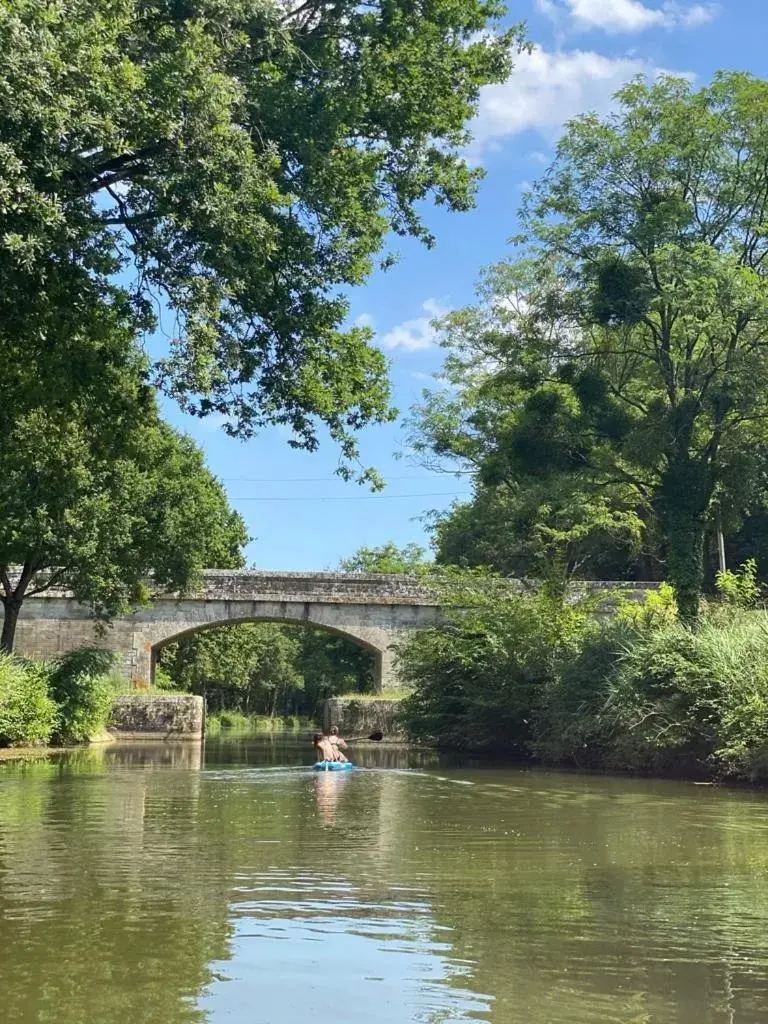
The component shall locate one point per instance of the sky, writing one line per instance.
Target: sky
(299, 514)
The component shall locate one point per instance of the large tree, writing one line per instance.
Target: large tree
(626, 349)
(540, 530)
(243, 163)
(97, 493)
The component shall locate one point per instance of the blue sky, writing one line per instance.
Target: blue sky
(300, 515)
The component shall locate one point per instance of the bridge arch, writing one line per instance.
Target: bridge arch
(353, 634)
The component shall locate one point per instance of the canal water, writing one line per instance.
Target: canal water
(165, 884)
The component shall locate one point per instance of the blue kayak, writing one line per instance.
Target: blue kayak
(333, 766)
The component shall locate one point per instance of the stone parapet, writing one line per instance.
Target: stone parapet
(328, 587)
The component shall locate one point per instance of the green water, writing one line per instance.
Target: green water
(153, 885)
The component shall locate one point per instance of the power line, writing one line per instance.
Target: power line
(363, 497)
(324, 479)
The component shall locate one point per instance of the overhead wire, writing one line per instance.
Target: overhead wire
(357, 497)
(323, 479)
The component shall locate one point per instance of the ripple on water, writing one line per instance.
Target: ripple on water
(148, 890)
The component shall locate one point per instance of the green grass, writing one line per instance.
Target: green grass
(384, 695)
(236, 722)
(120, 685)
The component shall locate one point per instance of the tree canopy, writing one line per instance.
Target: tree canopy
(241, 163)
(98, 493)
(388, 558)
(624, 353)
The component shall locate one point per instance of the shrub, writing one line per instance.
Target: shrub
(656, 609)
(80, 686)
(571, 727)
(479, 682)
(27, 714)
(739, 588)
(692, 700)
(662, 706)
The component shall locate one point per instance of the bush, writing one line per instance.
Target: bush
(571, 726)
(480, 681)
(640, 691)
(80, 686)
(28, 716)
(693, 700)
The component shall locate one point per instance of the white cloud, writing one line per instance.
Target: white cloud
(417, 334)
(547, 89)
(364, 320)
(699, 14)
(616, 16)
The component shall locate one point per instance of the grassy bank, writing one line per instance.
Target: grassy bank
(224, 722)
(398, 694)
(527, 678)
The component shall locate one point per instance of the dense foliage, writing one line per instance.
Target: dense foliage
(245, 162)
(28, 715)
(265, 668)
(529, 677)
(612, 381)
(478, 679)
(80, 686)
(64, 701)
(98, 494)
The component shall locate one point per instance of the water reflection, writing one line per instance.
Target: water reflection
(135, 886)
(327, 791)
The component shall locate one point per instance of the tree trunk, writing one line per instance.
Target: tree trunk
(686, 565)
(10, 619)
(12, 602)
(686, 493)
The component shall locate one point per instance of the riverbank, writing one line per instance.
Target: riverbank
(530, 679)
(225, 722)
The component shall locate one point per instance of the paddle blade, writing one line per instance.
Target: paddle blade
(376, 736)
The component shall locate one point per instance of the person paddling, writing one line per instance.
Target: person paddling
(325, 749)
(337, 742)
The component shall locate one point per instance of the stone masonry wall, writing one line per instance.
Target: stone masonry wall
(363, 717)
(157, 716)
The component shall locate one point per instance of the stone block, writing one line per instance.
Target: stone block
(144, 716)
(364, 717)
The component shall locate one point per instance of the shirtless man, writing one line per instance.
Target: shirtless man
(337, 742)
(325, 749)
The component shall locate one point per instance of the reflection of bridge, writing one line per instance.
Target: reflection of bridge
(373, 610)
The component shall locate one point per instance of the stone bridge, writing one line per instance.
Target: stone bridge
(372, 610)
